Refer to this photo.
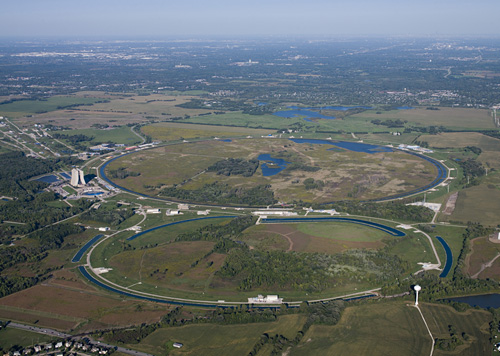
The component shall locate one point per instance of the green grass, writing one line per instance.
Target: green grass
(478, 203)
(453, 118)
(26, 107)
(339, 231)
(370, 329)
(474, 323)
(393, 328)
(10, 337)
(121, 134)
(414, 250)
(218, 340)
(186, 164)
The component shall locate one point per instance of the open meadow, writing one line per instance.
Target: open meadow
(394, 328)
(453, 118)
(339, 174)
(218, 340)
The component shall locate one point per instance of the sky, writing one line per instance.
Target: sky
(171, 18)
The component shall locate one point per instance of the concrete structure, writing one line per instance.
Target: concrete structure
(203, 212)
(417, 289)
(171, 212)
(104, 229)
(274, 212)
(498, 236)
(77, 177)
(153, 211)
(270, 299)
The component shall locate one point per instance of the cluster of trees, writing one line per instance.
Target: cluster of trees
(235, 166)
(220, 193)
(33, 213)
(17, 168)
(451, 343)
(308, 272)
(472, 171)
(302, 167)
(318, 313)
(397, 210)
(390, 123)
(310, 183)
(122, 173)
(112, 216)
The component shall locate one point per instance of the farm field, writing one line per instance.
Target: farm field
(385, 328)
(394, 328)
(53, 305)
(454, 118)
(173, 131)
(478, 203)
(121, 134)
(483, 251)
(474, 323)
(29, 107)
(215, 340)
(345, 174)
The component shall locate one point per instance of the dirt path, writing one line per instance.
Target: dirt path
(486, 265)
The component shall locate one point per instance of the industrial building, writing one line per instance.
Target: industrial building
(77, 177)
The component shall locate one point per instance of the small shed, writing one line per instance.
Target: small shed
(177, 345)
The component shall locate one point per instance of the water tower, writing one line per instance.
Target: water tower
(417, 289)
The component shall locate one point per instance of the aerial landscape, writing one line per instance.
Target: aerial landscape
(222, 188)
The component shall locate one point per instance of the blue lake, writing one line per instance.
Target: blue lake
(405, 108)
(312, 112)
(48, 179)
(483, 301)
(351, 146)
(226, 140)
(278, 166)
(65, 175)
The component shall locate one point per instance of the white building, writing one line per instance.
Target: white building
(77, 177)
(274, 212)
(269, 299)
(177, 345)
(203, 212)
(153, 211)
(171, 212)
(104, 228)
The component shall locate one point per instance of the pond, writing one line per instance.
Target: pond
(351, 146)
(312, 112)
(274, 166)
(48, 179)
(482, 301)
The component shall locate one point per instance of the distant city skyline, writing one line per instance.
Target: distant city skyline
(157, 18)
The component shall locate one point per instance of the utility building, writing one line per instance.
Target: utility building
(77, 177)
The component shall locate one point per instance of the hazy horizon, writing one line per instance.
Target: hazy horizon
(222, 18)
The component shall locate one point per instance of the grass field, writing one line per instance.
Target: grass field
(369, 329)
(10, 337)
(29, 107)
(454, 118)
(172, 131)
(66, 303)
(346, 174)
(218, 340)
(474, 323)
(393, 328)
(478, 203)
(121, 134)
(313, 237)
(483, 251)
